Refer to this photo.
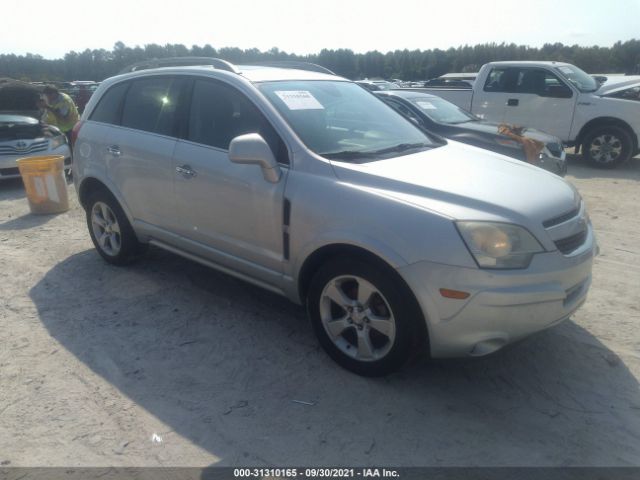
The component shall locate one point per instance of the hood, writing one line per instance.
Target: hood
(17, 119)
(492, 129)
(466, 183)
(20, 127)
(620, 82)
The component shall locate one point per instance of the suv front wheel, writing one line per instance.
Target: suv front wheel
(364, 318)
(110, 230)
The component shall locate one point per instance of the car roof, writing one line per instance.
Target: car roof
(253, 73)
(405, 94)
(260, 73)
(530, 63)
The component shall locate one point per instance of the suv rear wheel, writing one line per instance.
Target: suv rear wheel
(110, 230)
(363, 319)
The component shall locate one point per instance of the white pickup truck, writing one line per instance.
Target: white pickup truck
(562, 100)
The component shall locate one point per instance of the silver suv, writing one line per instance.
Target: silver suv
(306, 184)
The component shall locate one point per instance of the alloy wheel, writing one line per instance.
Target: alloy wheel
(106, 229)
(605, 148)
(357, 318)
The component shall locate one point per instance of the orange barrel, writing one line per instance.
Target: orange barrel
(46, 186)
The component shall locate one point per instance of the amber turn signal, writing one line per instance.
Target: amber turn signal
(455, 294)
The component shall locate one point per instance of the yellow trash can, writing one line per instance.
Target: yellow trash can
(46, 186)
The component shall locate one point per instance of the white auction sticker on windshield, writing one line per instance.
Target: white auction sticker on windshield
(299, 100)
(426, 105)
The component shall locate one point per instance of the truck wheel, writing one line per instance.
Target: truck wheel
(110, 230)
(364, 320)
(607, 146)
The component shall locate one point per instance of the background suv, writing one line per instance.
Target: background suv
(304, 183)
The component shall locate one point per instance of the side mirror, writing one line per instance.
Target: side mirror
(252, 149)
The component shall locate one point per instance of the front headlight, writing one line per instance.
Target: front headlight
(58, 140)
(499, 245)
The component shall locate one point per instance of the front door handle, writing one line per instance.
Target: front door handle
(186, 171)
(513, 102)
(114, 150)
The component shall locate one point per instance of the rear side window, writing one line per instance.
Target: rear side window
(219, 113)
(501, 80)
(152, 105)
(108, 108)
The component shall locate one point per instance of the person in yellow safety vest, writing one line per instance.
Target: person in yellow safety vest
(60, 110)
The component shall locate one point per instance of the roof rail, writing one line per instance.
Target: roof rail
(312, 67)
(181, 62)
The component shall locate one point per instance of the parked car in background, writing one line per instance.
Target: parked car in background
(376, 85)
(307, 185)
(81, 91)
(439, 116)
(603, 120)
(447, 83)
(464, 76)
(22, 136)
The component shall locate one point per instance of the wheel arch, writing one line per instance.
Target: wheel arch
(607, 121)
(92, 184)
(325, 253)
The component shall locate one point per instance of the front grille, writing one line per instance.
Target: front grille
(35, 147)
(570, 244)
(555, 149)
(5, 172)
(561, 218)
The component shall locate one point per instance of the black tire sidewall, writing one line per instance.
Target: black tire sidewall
(621, 133)
(130, 246)
(401, 302)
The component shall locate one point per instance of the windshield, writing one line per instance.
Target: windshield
(441, 111)
(340, 120)
(582, 80)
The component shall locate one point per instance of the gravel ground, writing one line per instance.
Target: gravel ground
(167, 363)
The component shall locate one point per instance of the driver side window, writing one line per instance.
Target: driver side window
(219, 113)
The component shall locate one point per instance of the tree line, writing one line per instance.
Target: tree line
(98, 64)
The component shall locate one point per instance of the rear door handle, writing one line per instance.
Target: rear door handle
(186, 171)
(114, 150)
(513, 102)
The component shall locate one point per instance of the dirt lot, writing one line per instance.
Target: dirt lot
(169, 363)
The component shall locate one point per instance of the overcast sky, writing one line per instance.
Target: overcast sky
(53, 28)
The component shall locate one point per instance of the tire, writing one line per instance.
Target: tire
(607, 146)
(110, 230)
(349, 336)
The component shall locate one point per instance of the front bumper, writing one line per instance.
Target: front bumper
(9, 167)
(504, 305)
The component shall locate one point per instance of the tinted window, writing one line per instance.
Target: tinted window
(402, 109)
(501, 80)
(442, 111)
(152, 105)
(220, 113)
(108, 109)
(523, 80)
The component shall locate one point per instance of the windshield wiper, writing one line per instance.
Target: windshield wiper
(346, 155)
(401, 147)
